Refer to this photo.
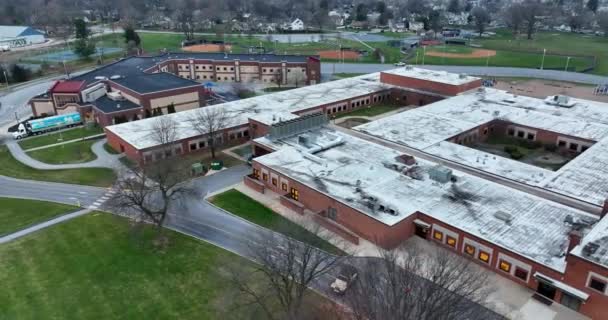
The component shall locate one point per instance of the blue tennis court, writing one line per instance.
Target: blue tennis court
(69, 55)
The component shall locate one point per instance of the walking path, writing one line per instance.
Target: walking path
(66, 142)
(104, 159)
(43, 225)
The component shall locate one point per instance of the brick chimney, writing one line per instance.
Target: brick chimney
(574, 239)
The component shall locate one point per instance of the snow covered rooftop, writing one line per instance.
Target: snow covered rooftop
(594, 246)
(427, 128)
(431, 75)
(354, 171)
(267, 109)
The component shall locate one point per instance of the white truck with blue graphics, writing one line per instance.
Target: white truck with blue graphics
(39, 126)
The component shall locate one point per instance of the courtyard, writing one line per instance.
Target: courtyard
(529, 152)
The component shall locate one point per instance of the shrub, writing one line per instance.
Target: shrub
(550, 147)
(510, 149)
(516, 155)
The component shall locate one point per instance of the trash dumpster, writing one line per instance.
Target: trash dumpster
(197, 169)
(217, 165)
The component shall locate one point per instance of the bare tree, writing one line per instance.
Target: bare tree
(481, 17)
(286, 268)
(151, 191)
(602, 21)
(513, 16)
(409, 284)
(531, 10)
(210, 122)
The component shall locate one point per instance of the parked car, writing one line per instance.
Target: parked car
(400, 64)
(4, 48)
(348, 274)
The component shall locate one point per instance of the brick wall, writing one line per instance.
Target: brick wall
(426, 85)
(577, 275)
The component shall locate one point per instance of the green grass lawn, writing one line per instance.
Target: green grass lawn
(65, 135)
(501, 59)
(245, 207)
(73, 152)
(17, 214)
(556, 43)
(101, 177)
(370, 111)
(94, 267)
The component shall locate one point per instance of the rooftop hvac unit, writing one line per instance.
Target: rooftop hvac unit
(406, 159)
(115, 95)
(590, 248)
(503, 216)
(463, 76)
(409, 67)
(440, 174)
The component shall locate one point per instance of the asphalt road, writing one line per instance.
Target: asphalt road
(50, 191)
(328, 69)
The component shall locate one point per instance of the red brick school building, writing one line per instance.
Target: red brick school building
(539, 222)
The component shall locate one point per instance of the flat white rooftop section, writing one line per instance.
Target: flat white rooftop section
(430, 75)
(598, 236)
(427, 128)
(267, 109)
(491, 163)
(356, 169)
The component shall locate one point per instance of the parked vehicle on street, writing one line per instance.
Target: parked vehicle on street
(400, 64)
(43, 125)
(348, 274)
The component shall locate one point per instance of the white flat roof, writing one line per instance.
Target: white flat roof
(537, 229)
(427, 128)
(267, 109)
(431, 75)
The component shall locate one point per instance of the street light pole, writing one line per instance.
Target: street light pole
(542, 64)
(567, 63)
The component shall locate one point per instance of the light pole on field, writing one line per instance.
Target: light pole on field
(5, 78)
(542, 64)
(423, 54)
(567, 63)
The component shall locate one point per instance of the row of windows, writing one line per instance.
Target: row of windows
(356, 104)
(198, 77)
(481, 255)
(571, 145)
(238, 134)
(293, 192)
(521, 134)
(200, 144)
(158, 155)
(197, 67)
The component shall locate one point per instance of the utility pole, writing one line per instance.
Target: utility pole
(542, 64)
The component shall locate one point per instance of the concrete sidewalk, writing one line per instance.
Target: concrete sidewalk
(66, 142)
(104, 159)
(43, 225)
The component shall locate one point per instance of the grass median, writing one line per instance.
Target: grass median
(17, 214)
(73, 152)
(94, 267)
(245, 207)
(101, 177)
(58, 137)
